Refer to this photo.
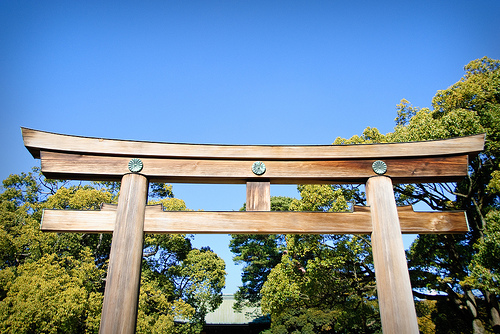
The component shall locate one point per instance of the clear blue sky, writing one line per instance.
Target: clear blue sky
(228, 72)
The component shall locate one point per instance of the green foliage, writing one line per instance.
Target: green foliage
(456, 277)
(52, 295)
(425, 310)
(161, 190)
(319, 198)
(20, 189)
(460, 272)
(259, 253)
(485, 265)
(199, 280)
(158, 308)
(54, 282)
(477, 92)
(331, 276)
(281, 203)
(308, 321)
(78, 198)
(312, 283)
(170, 204)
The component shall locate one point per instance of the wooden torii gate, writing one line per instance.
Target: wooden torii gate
(136, 163)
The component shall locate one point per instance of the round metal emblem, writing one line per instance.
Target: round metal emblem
(135, 165)
(379, 167)
(258, 168)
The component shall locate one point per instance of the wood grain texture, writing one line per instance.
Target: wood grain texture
(404, 170)
(258, 196)
(121, 294)
(36, 141)
(186, 222)
(394, 291)
(84, 158)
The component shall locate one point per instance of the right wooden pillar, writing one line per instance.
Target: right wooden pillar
(397, 309)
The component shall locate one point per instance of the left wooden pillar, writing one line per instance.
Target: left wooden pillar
(121, 295)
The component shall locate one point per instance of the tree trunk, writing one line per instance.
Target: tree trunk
(477, 324)
(493, 309)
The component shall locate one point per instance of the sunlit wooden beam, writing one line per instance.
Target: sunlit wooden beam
(254, 222)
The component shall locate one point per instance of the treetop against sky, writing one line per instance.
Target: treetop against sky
(227, 73)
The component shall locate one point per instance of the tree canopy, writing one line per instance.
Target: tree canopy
(54, 282)
(325, 284)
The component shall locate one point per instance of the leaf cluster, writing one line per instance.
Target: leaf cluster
(310, 283)
(458, 271)
(455, 277)
(258, 253)
(54, 282)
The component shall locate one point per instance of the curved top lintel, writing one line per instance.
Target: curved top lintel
(36, 141)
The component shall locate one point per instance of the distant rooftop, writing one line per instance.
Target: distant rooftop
(226, 315)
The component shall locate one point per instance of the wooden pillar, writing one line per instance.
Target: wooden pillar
(258, 196)
(121, 295)
(397, 309)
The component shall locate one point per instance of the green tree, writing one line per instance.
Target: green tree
(455, 277)
(52, 295)
(259, 253)
(459, 272)
(323, 283)
(54, 282)
(310, 283)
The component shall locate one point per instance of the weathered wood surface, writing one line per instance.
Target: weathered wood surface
(159, 221)
(83, 158)
(93, 167)
(258, 196)
(394, 291)
(37, 141)
(121, 294)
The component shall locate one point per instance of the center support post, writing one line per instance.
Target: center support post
(121, 294)
(258, 196)
(397, 308)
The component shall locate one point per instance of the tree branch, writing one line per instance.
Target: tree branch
(429, 297)
(152, 253)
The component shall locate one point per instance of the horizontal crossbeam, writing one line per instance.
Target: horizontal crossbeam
(253, 222)
(96, 159)
(137, 163)
(36, 141)
(401, 170)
